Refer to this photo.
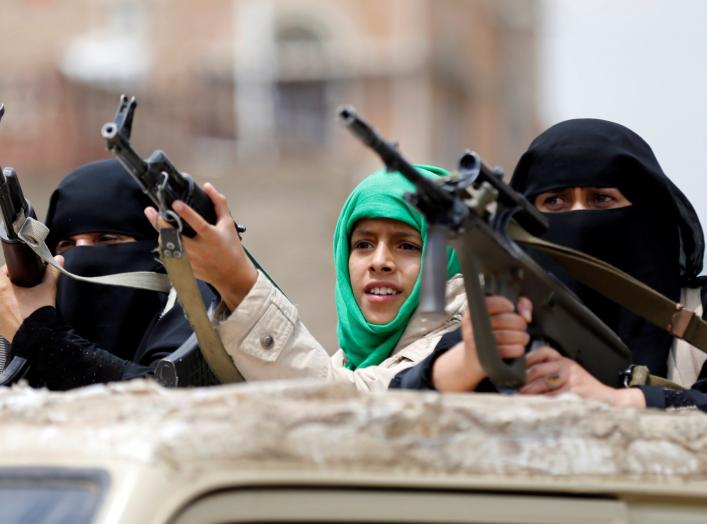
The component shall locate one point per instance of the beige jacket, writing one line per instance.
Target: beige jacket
(267, 341)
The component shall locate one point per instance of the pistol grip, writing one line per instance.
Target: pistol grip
(503, 374)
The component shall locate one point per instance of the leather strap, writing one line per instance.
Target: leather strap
(176, 261)
(622, 288)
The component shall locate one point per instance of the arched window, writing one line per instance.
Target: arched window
(301, 87)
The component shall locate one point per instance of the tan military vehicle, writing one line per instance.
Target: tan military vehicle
(137, 453)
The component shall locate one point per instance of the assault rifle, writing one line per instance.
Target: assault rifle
(473, 211)
(201, 360)
(24, 267)
(157, 176)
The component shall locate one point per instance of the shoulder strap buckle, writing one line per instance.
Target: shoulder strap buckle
(680, 320)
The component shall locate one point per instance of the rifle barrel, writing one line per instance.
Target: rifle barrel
(428, 192)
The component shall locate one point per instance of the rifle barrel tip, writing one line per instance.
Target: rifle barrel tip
(109, 130)
(347, 114)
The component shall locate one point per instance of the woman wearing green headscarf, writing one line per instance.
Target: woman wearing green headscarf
(379, 244)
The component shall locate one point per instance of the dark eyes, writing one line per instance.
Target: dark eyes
(410, 246)
(361, 244)
(564, 201)
(64, 246)
(602, 199)
(403, 245)
(107, 238)
(553, 202)
(92, 240)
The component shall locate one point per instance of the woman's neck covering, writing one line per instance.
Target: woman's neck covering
(380, 195)
(102, 197)
(658, 239)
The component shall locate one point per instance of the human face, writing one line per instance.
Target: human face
(580, 199)
(384, 261)
(91, 239)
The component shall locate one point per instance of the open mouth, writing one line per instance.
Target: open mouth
(379, 290)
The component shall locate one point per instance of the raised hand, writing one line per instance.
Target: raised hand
(216, 253)
(459, 368)
(17, 303)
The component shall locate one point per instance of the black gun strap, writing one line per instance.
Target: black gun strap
(622, 288)
(176, 261)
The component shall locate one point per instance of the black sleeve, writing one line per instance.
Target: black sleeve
(663, 398)
(59, 358)
(419, 376)
(167, 334)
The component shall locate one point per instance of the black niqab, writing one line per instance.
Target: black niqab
(102, 197)
(658, 239)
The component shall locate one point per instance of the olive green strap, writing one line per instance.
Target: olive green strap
(640, 376)
(176, 261)
(622, 288)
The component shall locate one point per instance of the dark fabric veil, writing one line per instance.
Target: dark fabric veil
(102, 197)
(658, 239)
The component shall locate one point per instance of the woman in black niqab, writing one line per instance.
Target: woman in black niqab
(99, 333)
(657, 239)
(101, 197)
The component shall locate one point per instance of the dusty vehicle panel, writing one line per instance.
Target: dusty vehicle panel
(302, 452)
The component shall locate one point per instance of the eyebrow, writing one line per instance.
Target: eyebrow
(401, 234)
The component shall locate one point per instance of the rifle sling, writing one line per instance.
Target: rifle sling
(34, 234)
(176, 261)
(622, 288)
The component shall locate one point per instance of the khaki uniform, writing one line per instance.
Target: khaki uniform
(267, 341)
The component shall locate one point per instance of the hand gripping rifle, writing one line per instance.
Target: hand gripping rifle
(164, 184)
(24, 267)
(473, 212)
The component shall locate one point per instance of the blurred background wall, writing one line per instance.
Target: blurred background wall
(243, 93)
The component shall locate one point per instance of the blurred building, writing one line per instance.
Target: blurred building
(244, 93)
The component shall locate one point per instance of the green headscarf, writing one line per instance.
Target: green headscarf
(380, 195)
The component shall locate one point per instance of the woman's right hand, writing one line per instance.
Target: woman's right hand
(216, 253)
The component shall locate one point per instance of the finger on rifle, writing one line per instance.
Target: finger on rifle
(154, 218)
(4, 269)
(219, 201)
(537, 387)
(543, 354)
(509, 321)
(525, 309)
(539, 371)
(496, 304)
(511, 350)
(542, 383)
(191, 217)
(52, 273)
(511, 337)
